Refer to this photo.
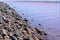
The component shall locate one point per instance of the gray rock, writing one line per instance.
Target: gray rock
(4, 31)
(26, 38)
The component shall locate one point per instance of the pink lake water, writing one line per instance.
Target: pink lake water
(44, 13)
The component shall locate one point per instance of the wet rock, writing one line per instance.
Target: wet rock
(25, 20)
(24, 25)
(5, 28)
(4, 31)
(12, 38)
(19, 33)
(45, 34)
(9, 30)
(17, 18)
(39, 24)
(10, 34)
(0, 22)
(40, 32)
(26, 38)
(15, 35)
(40, 39)
(5, 19)
(22, 13)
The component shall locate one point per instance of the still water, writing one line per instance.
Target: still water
(44, 13)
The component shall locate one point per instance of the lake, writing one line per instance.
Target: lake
(44, 13)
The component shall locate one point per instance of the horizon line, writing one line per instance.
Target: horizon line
(34, 1)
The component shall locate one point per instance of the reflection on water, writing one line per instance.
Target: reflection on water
(46, 14)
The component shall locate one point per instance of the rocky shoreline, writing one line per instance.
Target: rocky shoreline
(13, 27)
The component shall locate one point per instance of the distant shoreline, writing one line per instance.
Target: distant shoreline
(34, 1)
(39, 1)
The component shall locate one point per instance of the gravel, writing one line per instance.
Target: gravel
(14, 27)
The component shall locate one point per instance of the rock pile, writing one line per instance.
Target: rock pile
(13, 27)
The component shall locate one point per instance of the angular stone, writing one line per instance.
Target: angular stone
(26, 38)
(4, 31)
(5, 19)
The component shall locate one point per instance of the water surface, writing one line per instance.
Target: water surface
(44, 13)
